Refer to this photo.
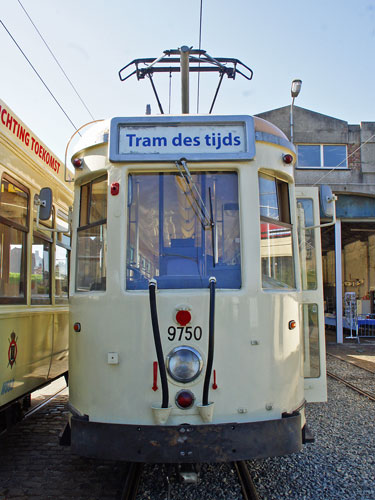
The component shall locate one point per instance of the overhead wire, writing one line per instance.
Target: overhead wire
(57, 62)
(38, 75)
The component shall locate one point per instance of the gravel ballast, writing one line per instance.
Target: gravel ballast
(339, 465)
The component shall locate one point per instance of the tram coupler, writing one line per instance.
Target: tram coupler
(307, 435)
(188, 473)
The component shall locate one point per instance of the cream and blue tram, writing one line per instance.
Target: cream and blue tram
(34, 266)
(195, 324)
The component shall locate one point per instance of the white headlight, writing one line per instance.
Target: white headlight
(184, 363)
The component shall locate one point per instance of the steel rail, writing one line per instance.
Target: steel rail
(32, 411)
(43, 403)
(350, 363)
(132, 480)
(368, 395)
(249, 491)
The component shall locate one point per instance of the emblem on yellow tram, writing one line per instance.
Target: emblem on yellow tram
(12, 351)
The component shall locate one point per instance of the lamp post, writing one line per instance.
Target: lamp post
(294, 91)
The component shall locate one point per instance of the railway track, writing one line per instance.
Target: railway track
(43, 403)
(16, 412)
(367, 394)
(350, 362)
(249, 491)
(133, 475)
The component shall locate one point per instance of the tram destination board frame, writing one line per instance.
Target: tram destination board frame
(193, 138)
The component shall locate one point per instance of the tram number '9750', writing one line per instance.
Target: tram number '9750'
(184, 333)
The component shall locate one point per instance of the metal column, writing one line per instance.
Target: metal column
(339, 329)
(184, 58)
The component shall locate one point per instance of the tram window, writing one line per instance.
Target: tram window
(40, 271)
(93, 206)
(63, 224)
(61, 274)
(311, 341)
(170, 237)
(62, 259)
(92, 237)
(307, 249)
(275, 234)
(14, 201)
(41, 259)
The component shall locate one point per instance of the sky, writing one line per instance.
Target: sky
(328, 44)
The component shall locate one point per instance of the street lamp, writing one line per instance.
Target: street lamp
(294, 91)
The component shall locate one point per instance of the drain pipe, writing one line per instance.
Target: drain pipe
(211, 338)
(158, 346)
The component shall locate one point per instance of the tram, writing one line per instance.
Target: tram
(34, 266)
(196, 315)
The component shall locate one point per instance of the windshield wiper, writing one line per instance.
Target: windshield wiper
(213, 231)
(198, 204)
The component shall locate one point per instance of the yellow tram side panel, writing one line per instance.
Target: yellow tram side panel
(36, 335)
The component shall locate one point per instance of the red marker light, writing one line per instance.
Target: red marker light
(77, 327)
(184, 399)
(155, 371)
(77, 163)
(115, 188)
(288, 159)
(183, 317)
(214, 385)
(292, 324)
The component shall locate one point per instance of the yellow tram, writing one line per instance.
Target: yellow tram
(34, 265)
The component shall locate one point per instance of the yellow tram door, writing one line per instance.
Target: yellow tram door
(311, 295)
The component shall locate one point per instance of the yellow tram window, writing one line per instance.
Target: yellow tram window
(40, 271)
(276, 238)
(61, 273)
(14, 200)
(62, 258)
(41, 259)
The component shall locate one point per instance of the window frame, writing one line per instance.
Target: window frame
(25, 230)
(283, 220)
(321, 151)
(165, 277)
(88, 225)
(47, 226)
(36, 299)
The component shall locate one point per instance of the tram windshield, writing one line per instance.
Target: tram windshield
(182, 233)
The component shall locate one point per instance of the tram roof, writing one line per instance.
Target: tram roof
(19, 135)
(98, 132)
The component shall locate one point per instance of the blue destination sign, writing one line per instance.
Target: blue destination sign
(191, 137)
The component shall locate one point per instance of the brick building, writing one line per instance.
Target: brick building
(333, 152)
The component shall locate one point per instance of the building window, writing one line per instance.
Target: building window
(276, 242)
(322, 156)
